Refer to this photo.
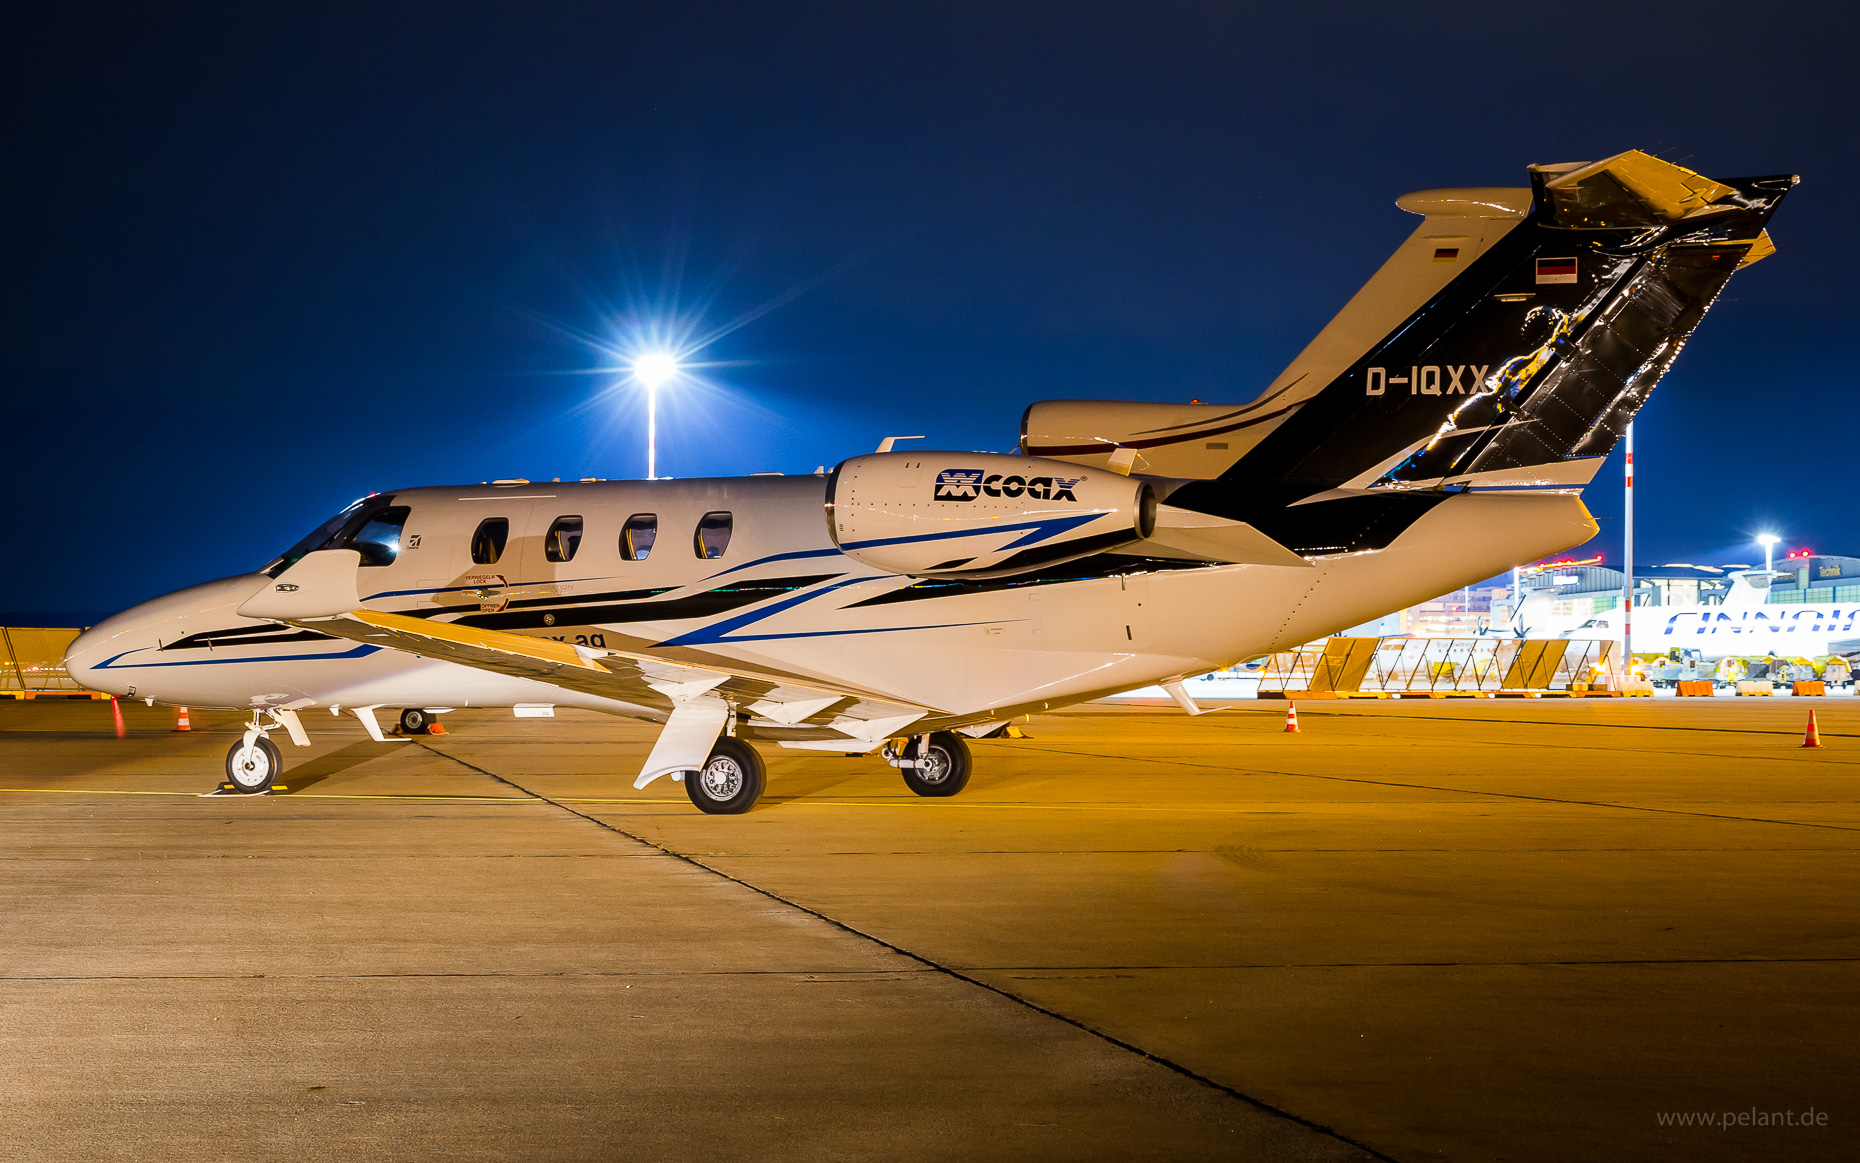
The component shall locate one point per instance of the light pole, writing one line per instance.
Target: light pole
(653, 369)
(1768, 541)
(1627, 562)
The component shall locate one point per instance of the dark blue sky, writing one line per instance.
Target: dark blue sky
(260, 262)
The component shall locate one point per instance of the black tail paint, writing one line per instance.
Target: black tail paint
(1530, 362)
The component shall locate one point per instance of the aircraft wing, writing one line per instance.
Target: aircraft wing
(615, 674)
(319, 593)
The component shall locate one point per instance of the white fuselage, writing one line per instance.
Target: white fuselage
(782, 599)
(1715, 632)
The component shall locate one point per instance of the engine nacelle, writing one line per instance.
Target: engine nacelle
(980, 514)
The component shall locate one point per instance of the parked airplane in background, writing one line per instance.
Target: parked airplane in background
(1435, 433)
(1742, 627)
(1536, 616)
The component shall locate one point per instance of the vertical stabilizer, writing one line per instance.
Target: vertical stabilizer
(1521, 371)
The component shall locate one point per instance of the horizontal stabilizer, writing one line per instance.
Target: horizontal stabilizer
(1630, 189)
(1189, 536)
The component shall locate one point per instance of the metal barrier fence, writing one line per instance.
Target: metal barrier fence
(1439, 665)
(32, 662)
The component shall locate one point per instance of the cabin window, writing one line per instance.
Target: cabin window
(713, 535)
(637, 536)
(487, 544)
(563, 539)
(378, 540)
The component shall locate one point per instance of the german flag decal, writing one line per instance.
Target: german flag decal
(1556, 270)
(1446, 254)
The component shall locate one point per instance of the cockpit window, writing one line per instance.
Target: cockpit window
(637, 536)
(487, 543)
(563, 539)
(336, 533)
(378, 540)
(713, 535)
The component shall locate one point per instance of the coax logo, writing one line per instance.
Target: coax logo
(964, 484)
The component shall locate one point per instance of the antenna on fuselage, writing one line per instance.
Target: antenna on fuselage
(885, 444)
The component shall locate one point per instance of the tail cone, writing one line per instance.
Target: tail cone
(1291, 718)
(1813, 737)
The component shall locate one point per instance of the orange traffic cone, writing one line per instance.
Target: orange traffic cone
(1291, 717)
(1813, 737)
(117, 713)
(180, 721)
(436, 729)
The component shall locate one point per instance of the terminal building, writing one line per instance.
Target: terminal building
(1583, 591)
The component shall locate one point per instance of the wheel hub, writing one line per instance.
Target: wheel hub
(722, 778)
(250, 766)
(933, 767)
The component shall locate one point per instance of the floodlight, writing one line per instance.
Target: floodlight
(655, 368)
(1768, 541)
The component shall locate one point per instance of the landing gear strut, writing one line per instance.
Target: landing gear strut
(731, 780)
(934, 765)
(253, 764)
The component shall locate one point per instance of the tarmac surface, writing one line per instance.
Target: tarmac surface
(1466, 929)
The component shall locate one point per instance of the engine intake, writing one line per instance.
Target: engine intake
(980, 514)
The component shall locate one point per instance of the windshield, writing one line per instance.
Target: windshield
(332, 532)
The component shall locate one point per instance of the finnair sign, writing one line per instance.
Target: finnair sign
(1781, 629)
(1763, 622)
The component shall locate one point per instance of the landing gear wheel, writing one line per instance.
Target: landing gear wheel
(943, 769)
(253, 767)
(414, 721)
(731, 780)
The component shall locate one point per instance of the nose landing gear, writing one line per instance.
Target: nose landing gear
(253, 764)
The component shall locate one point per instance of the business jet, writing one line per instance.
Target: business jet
(1436, 432)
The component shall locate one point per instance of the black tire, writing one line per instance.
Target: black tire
(944, 769)
(730, 781)
(414, 721)
(253, 770)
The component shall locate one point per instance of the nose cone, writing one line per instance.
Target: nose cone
(113, 656)
(86, 651)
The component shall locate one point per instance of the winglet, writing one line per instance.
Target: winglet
(321, 585)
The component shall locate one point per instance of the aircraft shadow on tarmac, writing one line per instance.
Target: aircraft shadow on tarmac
(786, 787)
(323, 766)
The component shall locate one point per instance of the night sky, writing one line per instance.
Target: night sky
(260, 263)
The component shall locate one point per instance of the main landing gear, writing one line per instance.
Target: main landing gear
(934, 765)
(731, 780)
